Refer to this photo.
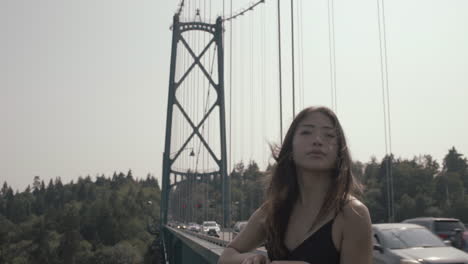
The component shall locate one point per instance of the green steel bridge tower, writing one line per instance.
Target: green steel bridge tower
(217, 152)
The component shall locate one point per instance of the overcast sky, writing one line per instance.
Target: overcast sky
(84, 84)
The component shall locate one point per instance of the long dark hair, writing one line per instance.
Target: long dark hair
(283, 190)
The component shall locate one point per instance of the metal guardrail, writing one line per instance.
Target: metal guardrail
(211, 239)
(202, 247)
(210, 248)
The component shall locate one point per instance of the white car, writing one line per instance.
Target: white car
(207, 225)
(194, 227)
(401, 243)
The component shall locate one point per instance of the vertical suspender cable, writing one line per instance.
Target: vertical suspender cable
(263, 117)
(193, 117)
(382, 79)
(230, 116)
(176, 196)
(196, 92)
(252, 111)
(331, 38)
(205, 156)
(208, 131)
(334, 54)
(299, 54)
(230, 94)
(190, 113)
(293, 61)
(242, 87)
(386, 109)
(301, 50)
(185, 160)
(209, 124)
(280, 79)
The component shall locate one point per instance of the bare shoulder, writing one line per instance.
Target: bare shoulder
(355, 208)
(356, 246)
(356, 215)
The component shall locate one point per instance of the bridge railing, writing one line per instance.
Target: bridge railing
(207, 247)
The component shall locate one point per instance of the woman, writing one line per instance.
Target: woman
(310, 214)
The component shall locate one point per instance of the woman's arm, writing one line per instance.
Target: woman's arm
(356, 246)
(247, 240)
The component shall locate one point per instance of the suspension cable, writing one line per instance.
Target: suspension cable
(280, 81)
(230, 118)
(230, 93)
(181, 7)
(263, 56)
(251, 28)
(293, 61)
(243, 11)
(334, 54)
(331, 39)
(386, 108)
(301, 52)
(196, 93)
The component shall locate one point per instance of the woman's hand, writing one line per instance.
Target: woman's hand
(256, 259)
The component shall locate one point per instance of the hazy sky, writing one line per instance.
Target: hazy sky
(83, 84)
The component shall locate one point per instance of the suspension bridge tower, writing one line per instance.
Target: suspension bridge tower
(198, 125)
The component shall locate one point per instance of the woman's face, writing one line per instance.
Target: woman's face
(315, 143)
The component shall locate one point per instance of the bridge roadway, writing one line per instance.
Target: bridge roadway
(207, 249)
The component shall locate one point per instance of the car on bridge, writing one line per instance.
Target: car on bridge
(406, 243)
(194, 227)
(182, 226)
(210, 227)
(450, 229)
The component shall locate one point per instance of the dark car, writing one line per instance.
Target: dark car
(450, 229)
(402, 243)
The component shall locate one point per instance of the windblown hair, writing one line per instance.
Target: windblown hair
(283, 189)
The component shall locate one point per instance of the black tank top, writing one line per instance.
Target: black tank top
(317, 248)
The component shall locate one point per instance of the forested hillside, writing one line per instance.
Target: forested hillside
(108, 220)
(421, 187)
(114, 219)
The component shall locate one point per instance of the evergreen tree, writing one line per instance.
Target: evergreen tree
(454, 162)
(4, 189)
(129, 175)
(36, 184)
(68, 248)
(43, 253)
